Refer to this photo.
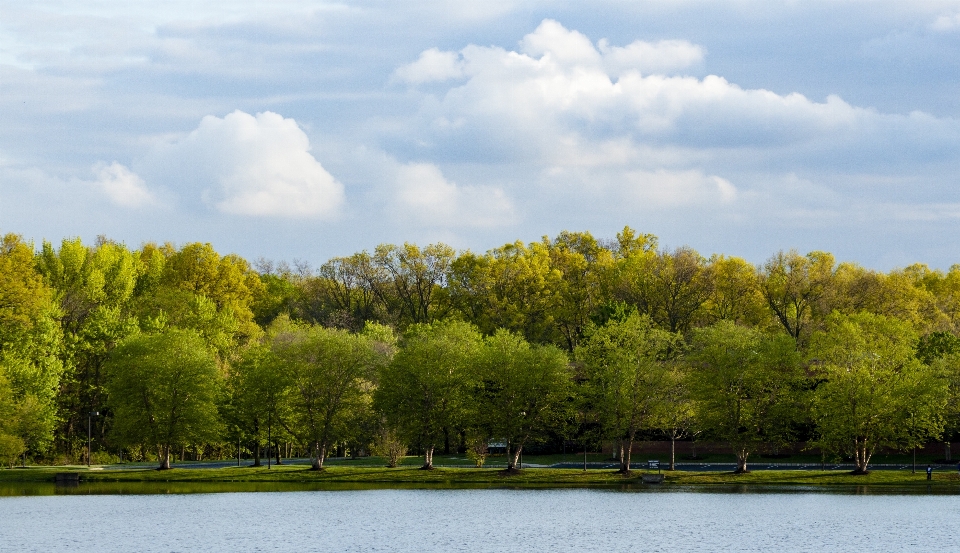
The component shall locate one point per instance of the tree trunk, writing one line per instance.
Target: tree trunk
(427, 458)
(673, 452)
(742, 455)
(318, 455)
(277, 451)
(862, 455)
(164, 458)
(625, 453)
(946, 451)
(514, 459)
(256, 454)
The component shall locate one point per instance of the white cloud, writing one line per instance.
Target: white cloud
(559, 82)
(432, 66)
(946, 22)
(250, 165)
(122, 186)
(559, 100)
(551, 42)
(662, 57)
(424, 196)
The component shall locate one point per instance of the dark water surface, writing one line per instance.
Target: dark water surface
(491, 520)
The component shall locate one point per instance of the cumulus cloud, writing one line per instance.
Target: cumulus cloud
(559, 83)
(424, 196)
(560, 100)
(250, 165)
(662, 57)
(432, 66)
(122, 186)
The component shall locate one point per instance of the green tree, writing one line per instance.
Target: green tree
(794, 287)
(513, 287)
(31, 345)
(873, 391)
(523, 391)
(331, 374)
(258, 397)
(746, 385)
(424, 392)
(626, 363)
(93, 287)
(735, 294)
(675, 411)
(162, 390)
(670, 287)
(11, 444)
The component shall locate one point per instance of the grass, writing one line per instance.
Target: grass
(406, 476)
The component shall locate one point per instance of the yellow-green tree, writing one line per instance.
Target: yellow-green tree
(512, 287)
(162, 390)
(874, 392)
(228, 281)
(735, 294)
(330, 375)
(746, 384)
(794, 287)
(628, 369)
(424, 393)
(522, 390)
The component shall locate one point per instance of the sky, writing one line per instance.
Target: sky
(296, 130)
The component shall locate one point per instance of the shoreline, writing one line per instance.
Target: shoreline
(485, 477)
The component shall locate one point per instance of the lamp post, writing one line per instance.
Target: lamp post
(90, 416)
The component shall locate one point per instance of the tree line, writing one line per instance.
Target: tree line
(182, 350)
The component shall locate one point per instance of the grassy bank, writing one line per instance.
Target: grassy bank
(470, 477)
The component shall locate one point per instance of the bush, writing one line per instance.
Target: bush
(477, 451)
(389, 446)
(11, 448)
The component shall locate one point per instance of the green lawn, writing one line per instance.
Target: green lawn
(409, 476)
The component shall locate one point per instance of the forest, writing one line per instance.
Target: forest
(173, 351)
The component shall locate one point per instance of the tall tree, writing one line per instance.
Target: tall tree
(670, 287)
(794, 286)
(409, 280)
(94, 287)
(424, 392)
(30, 348)
(523, 390)
(513, 287)
(331, 374)
(745, 384)
(874, 392)
(162, 390)
(736, 294)
(228, 281)
(584, 268)
(627, 367)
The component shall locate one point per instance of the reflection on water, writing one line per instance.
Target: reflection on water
(476, 520)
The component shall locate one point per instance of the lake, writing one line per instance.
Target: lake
(491, 520)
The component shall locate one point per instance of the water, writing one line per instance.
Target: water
(421, 521)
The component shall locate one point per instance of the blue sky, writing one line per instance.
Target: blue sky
(305, 130)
